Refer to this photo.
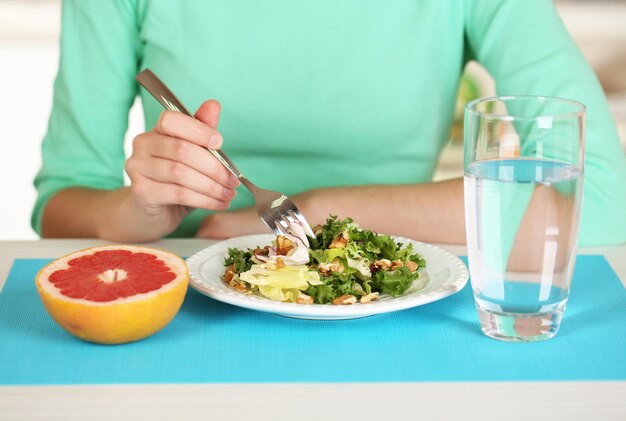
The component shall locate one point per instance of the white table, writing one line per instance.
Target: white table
(361, 401)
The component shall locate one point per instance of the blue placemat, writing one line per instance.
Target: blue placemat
(214, 342)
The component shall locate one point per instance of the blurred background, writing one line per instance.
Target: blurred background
(29, 32)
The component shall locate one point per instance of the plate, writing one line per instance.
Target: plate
(445, 274)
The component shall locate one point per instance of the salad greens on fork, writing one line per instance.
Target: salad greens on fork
(341, 264)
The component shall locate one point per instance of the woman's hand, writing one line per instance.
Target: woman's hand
(171, 170)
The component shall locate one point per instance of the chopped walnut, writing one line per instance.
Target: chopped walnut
(341, 241)
(382, 264)
(411, 265)
(369, 297)
(230, 273)
(304, 299)
(262, 252)
(327, 268)
(336, 266)
(317, 229)
(240, 287)
(396, 264)
(284, 245)
(324, 269)
(345, 300)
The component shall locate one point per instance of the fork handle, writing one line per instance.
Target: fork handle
(166, 97)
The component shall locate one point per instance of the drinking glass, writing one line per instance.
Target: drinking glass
(523, 180)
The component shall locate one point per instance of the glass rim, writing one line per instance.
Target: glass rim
(579, 111)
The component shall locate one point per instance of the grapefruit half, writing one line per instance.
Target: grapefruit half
(114, 294)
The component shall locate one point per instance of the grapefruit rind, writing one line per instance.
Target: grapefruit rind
(124, 319)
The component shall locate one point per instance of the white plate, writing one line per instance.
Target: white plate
(445, 274)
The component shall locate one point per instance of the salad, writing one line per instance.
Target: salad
(343, 264)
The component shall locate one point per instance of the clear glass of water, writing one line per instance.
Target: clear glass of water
(524, 160)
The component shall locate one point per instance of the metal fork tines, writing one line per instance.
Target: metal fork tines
(275, 209)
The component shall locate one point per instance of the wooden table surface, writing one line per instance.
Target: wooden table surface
(361, 401)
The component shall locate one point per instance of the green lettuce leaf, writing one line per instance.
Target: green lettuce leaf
(330, 230)
(322, 294)
(241, 259)
(407, 254)
(395, 282)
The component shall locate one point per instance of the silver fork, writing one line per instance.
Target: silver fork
(276, 210)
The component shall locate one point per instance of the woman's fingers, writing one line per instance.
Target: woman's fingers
(175, 124)
(173, 194)
(174, 172)
(192, 155)
(209, 113)
(144, 165)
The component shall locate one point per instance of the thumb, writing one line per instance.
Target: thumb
(209, 113)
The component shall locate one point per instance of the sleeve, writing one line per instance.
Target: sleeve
(93, 92)
(526, 48)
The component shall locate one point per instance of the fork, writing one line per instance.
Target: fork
(275, 209)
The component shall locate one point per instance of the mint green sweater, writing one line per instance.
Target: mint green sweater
(315, 93)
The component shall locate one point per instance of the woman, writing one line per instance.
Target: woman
(343, 105)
